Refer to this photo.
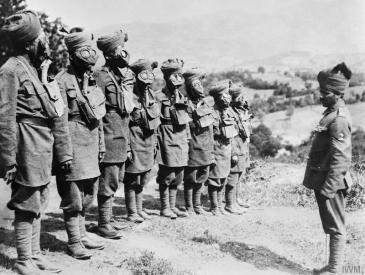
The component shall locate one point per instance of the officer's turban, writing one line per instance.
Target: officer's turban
(220, 87)
(335, 80)
(22, 27)
(109, 42)
(236, 91)
(193, 73)
(77, 40)
(171, 66)
(142, 65)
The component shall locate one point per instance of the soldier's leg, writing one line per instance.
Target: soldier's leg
(189, 182)
(114, 221)
(164, 177)
(71, 204)
(108, 185)
(213, 185)
(89, 187)
(332, 213)
(220, 191)
(229, 192)
(144, 178)
(201, 177)
(176, 181)
(130, 183)
(241, 182)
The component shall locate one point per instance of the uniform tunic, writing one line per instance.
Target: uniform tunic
(86, 142)
(115, 124)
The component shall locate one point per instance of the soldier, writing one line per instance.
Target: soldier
(173, 137)
(240, 148)
(31, 124)
(143, 125)
(85, 108)
(224, 131)
(116, 80)
(201, 143)
(327, 171)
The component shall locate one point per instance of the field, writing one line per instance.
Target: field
(299, 126)
(276, 236)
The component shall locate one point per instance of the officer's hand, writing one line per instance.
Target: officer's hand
(130, 156)
(101, 156)
(234, 160)
(10, 174)
(66, 165)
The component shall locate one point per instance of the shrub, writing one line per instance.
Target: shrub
(265, 145)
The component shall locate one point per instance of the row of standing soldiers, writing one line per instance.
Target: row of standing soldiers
(96, 129)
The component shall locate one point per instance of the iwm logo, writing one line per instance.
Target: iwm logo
(353, 269)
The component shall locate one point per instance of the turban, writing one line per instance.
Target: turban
(77, 40)
(335, 80)
(220, 87)
(142, 65)
(236, 91)
(109, 42)
(22, 27)
(193, 73)
(171, 66)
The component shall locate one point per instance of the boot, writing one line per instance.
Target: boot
(139, 201)
(188, 197)
(75, 247)
(130, 201)
(165, 203)
(86, 240)
(220, 200)
(105, 229)
(114, 222)
(197, 191)
(240, 209)
(37, 257)
(239, 201)
(337, 252)
(213, 198)
(172, 198)
(23, 239)
(230, 190)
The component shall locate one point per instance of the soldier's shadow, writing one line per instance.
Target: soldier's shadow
(259, 256)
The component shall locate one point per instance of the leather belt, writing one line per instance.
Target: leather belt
(35, 121)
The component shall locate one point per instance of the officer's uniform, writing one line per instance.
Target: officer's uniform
(327, 171)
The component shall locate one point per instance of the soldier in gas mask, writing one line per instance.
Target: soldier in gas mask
(173, 137)
(116, 80)
(201, 144)
(225, 129)
(144, 122)
(32, 130)
(85, 109)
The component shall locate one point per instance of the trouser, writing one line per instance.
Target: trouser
(29, 203)
(215, 192)
(231, 188)
(332, 213)
(194, 179)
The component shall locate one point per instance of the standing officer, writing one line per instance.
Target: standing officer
(240, 142)
(116, 80)
(85, 102)
(224, 131)
(144, 121)
(173, 137)
(31, 124)
(201, 143)
(329, 162)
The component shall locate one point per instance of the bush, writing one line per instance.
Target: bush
(263, 144)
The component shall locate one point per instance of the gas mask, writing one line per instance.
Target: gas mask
(84, 58)
(223, 100)
(240, 103)
(176, 79)
(195, 89)
(119, 58)
(147, 77)
(38, 50)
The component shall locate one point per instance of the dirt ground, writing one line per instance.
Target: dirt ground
(265, 240)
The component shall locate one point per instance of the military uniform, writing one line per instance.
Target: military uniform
(29, 138)
(328, 166)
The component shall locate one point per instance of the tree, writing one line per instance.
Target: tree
(290, 111)
(7, 8)
(261, 70)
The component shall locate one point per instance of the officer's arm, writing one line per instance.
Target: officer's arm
(61, 133)
(9, 86)
(340, 156)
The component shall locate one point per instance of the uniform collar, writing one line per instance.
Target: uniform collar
(334, 108)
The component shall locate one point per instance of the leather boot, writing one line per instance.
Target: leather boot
(337, 252)
(197, 191)
(213, 198)
(130, 201)
(230, 191)
(105, 229)
(23, 239)
(75, 247)
(85, 239)
(172, 198)
(114, 222)
(220, 200)
(139, 201)
(165, 203)
(188, 197)
(38, 259)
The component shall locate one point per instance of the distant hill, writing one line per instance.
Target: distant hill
(229, 40)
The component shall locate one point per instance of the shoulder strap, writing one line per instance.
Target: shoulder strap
(35, 80)
(79, 95)
(114, 81)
